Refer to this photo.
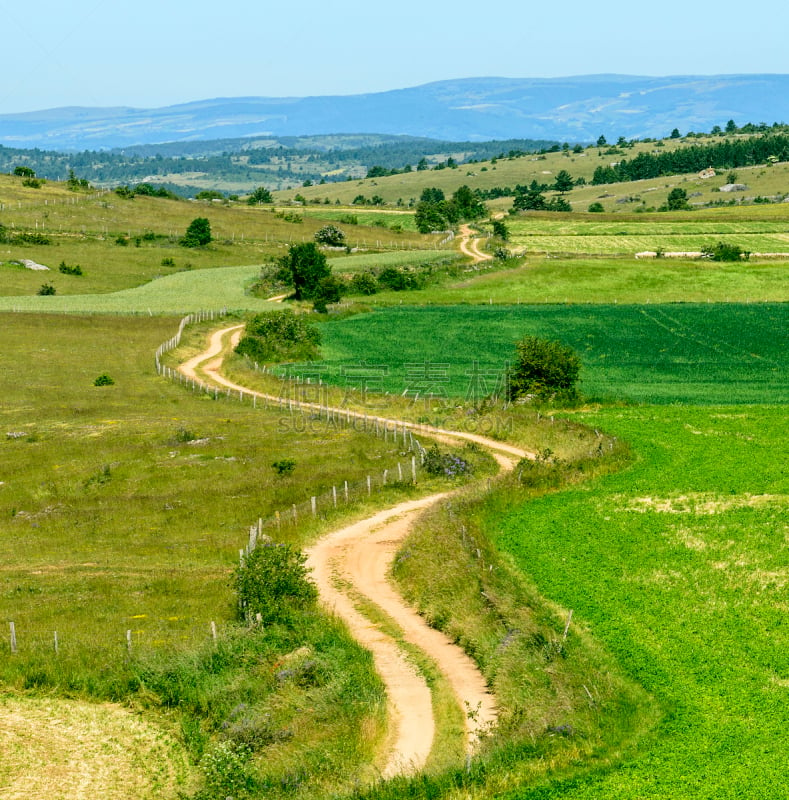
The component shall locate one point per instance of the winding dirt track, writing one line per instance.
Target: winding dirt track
(469, 246)
(360, 556)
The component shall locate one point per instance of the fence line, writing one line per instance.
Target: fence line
(413, 451)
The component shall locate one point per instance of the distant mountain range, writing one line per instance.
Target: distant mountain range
(574, 109)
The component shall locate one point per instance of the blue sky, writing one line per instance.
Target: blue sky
(152, 53)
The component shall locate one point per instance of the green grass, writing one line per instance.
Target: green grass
(703, 353)
(197, 289)
(585, 280)
(379, 219)
(678, 566)
(121, 500)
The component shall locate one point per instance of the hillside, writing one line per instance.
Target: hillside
(569, 109)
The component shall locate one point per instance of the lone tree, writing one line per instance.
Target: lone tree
(564, 182)
(543, 369)
(677, 200)
(198, 233)
(304, 266)
(260, 195)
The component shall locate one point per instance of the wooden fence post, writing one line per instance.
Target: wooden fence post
(313, 502)
(128, 642)
(346, 491)
(334, 495)
(13, 637)
(413, 468)
(57, 649)
(213, 631)
(369, 486)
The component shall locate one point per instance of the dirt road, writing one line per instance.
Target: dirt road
(469, 246)
(359, 556)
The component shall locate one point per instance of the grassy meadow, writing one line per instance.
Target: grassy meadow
(118, 502)
(678, 565)
(657, 512)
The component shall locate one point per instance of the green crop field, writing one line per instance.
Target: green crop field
(679, 566)
(704, 353)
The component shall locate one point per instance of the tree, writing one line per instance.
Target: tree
(543, 368)
(601, 141)
(564, 181)
(24, 172)
(428, 217)
(595, 208)
(306, 266)
(731, 126)
(198, 234)
(468, 205)
(330, 235)
(675, 134)
(260, 195)
(430, 194)
(677, 200)
(529, 199)
(209, 194)
(364, 283)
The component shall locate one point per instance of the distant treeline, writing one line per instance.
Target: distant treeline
(726, 154)
(275, 163)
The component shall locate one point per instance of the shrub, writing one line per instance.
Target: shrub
(450, 465)
(198, 234)
(47, 289)
(595, 208)
(273, 582)
(329, 290)
(543, 369)
(284, 466)
(364, 283)
(330, 235)
(103, 380)
(168, 262)
(723, 251)
(280, 336)
(68, 270)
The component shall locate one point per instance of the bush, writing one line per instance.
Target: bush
(47, 289)
(543, 369)
(67, 270)
(449, 465)
(273, 582)
(103, 380)
(284, 466)
(364, 283)
(198, 234)
(331, 236)
(280, 336)
(329, 290)
(168, 262)
(595, 208)
(725, 252)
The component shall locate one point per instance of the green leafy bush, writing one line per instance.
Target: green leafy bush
(284, 466)
(198, 234)
(273, 583)
(66, 269)
(543, 369)
(103, 380)
(724, 251)
(280, 336)
(47, 289)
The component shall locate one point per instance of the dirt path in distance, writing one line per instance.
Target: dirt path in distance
(469, 245)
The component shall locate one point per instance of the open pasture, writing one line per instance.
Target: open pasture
(127, 496)
(703, 353)
(679, 566)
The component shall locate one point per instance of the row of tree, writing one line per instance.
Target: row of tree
(726, 154)
(434, 212)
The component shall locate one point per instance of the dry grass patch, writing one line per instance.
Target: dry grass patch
(69, 749)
